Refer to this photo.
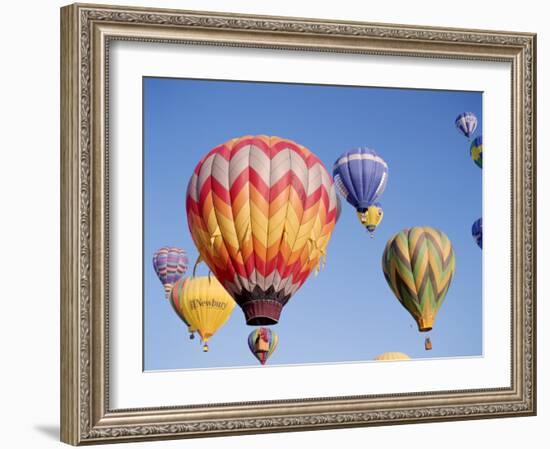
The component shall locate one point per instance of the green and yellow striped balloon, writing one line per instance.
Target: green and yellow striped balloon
(419, 264)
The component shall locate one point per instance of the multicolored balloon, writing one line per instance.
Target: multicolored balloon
(175, 295)
(466, 123)
(261, 211)
(419, 265)
(388, 356)
(477, 232)
(476, 151)
(170, 264)
(204, 304)
(361, 176)
(262, 343)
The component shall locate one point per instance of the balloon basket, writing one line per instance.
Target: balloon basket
(427, 344)
(205, 348)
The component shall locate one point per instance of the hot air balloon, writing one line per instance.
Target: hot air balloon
(360, 176)
(175, 296)
(204, 304)
(388, 356)
(418, 265)
(476, 151)
(466, 123)
(261, 211)
(477, 232)
(262, 343)
(170, 264)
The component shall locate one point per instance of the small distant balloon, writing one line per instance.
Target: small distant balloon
(477, 232)
(466, 123)
(262, 343)
(170, 264)
(476, 151)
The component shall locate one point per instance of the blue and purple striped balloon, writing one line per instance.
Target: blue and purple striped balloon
(466, 123)
(477, 232)
(360, 176)
(170, 264)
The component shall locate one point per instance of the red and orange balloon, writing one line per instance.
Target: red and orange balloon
(261, 211)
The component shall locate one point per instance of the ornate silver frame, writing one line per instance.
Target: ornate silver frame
(86, 32)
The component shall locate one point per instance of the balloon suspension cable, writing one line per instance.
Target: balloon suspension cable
(197, 262)
(322, 262)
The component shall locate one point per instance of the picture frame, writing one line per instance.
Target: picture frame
(87, 33)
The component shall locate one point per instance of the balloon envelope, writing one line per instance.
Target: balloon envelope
(466, 123)
(170, 264)
(360, 176)
(386, 356)
(175, 295)
(204, 304)
(476, 151)
(419, 265)
(477, 232)
(261, 211)
(262, 343)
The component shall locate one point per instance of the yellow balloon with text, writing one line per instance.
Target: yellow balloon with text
(205, 304)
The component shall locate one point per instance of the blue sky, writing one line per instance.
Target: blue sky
(347, 312)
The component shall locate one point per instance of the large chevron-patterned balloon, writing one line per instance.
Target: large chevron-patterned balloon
(261, 211)
(419, 265)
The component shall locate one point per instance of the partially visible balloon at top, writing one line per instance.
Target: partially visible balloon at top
(170, 264)
(466, 123)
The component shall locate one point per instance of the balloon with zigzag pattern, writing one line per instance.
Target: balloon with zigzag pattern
(419, 264)
(261, 211)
